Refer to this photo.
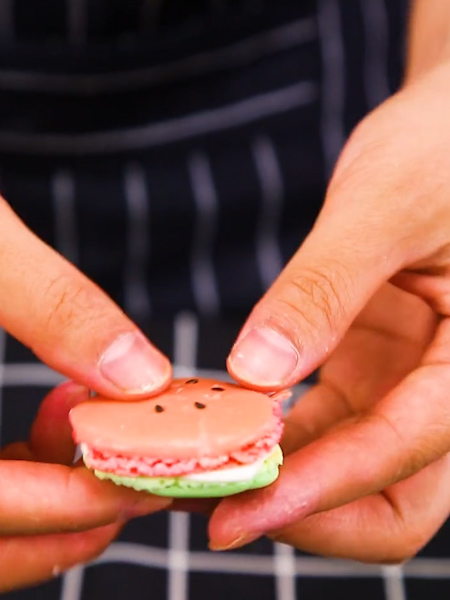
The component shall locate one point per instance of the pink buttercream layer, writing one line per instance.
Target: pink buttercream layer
(154, 467)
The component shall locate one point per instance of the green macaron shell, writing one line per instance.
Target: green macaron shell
(178, 487)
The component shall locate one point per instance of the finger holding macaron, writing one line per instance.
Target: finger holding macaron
(54, 515)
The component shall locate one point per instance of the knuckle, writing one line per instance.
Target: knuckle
(406, 461)
(417, 534)
(317, 296)
(394, 550)
(405, 549)
(63, 297)
(409, 533)
(70, 305)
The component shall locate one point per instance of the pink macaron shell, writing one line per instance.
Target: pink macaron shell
(193, 419)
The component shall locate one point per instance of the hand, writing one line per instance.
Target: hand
(54, 515)
(69, 322)
(367, 296)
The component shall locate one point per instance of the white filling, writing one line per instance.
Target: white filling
(230, 475)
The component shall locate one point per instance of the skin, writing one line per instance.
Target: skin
(367, 298)
(54, 515)
(70, 323)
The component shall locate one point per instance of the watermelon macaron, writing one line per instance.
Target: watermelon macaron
(200, 438)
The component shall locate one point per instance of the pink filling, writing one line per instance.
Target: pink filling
(154, 467)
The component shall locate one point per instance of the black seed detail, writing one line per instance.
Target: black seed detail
(191, 381)
(200, 405)
(217, 388)
(159, 408)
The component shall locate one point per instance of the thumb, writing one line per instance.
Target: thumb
(308, 309)
(74, 327)
(386, 210)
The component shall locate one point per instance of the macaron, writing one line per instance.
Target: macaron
(200, 438)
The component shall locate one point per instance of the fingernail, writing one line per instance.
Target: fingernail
(264, 357)
(242, 540)
(133, 365)
(145, 506)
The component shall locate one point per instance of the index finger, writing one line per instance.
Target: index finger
(407, 430)
(38, 498)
